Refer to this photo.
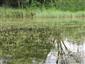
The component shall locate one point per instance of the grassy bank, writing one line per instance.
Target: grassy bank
(37, 12)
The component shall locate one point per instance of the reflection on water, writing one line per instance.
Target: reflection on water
(51, 57)
(5, 60)
(30, 38)
(35, 61)
(72, 54)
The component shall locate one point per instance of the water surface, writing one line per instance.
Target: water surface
(43, 40)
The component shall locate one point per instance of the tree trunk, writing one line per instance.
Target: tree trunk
(19, 3)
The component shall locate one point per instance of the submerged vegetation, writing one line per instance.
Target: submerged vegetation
(25, 40)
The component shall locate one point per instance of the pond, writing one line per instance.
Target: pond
(70, 54)
(42, 41)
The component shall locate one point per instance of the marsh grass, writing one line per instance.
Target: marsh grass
(37, 12)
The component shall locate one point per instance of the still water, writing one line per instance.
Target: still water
(74, 55)
(33, 42)
(71, 53)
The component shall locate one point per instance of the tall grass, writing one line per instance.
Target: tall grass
(32, 12)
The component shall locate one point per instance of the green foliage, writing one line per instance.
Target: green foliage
(39, 12)
(72, 5)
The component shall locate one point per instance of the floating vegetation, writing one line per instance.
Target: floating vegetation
(31, 41)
